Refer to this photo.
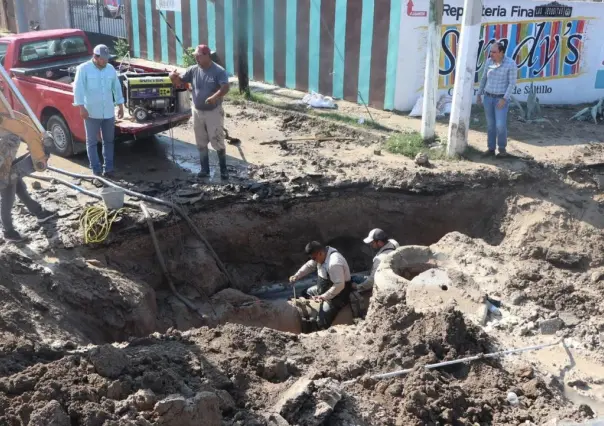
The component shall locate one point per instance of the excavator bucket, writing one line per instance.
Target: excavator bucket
(18, 126)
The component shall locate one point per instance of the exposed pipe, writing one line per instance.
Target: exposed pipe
(156, 201)
(162, 264)
(457, 361)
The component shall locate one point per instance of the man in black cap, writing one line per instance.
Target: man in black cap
(333, 283)
(378, 240)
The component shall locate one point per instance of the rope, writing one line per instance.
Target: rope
(96, 223)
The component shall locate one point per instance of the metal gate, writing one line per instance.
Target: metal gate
(99, 16)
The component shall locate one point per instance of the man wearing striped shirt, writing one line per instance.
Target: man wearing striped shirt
(497, 85)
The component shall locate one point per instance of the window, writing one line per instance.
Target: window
(3, 48)
(55, 48)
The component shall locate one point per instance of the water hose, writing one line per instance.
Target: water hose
(183, 299)
(150, 199)
(458, 361)
(96, 222)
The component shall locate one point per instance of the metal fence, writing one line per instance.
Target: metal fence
(99, 16)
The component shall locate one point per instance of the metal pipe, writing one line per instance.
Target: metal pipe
(149, 199)
(19, 96)
(458, 361)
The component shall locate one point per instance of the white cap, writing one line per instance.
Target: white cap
(376, 235)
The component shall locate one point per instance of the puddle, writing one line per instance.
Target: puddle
(576, 397)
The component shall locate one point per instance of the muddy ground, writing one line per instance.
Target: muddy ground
(527, 231)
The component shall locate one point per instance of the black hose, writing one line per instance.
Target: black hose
(162, 264)
(156, 201)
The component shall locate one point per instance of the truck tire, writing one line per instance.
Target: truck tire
(63, 142)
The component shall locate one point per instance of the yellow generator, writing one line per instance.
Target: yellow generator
(149, 95)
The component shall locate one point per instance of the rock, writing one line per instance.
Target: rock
(276, 420)
(534, 388)
(108, 361)
(563, 259)
(421, 159)
(587, 411)
(517, 298)
(569, 319)
(294, 397)
(550, 326)
(202, 409)
(36, 185)
(597, 276)
(525, 372)
(225, 401)
(582, 384)
(52, 414)
(143, 399)
(79, 262)
(275, 369)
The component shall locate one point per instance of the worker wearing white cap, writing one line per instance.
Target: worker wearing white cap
(377, 240)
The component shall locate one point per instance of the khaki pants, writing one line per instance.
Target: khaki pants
(208, 127)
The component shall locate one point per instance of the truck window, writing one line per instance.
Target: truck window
(48, 49)
(3, 48)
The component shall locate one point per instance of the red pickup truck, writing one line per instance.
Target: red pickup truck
(42, 65)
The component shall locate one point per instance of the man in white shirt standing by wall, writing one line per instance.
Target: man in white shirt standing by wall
(497, 85)
(333, 283)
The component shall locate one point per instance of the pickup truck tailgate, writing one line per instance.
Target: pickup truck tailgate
(129, 127)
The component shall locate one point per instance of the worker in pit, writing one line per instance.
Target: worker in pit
(210, 83)
(96, 91)
(379, 241)
(333, 283)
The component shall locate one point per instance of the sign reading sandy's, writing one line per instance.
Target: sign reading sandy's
(550, 42)
(542, 49)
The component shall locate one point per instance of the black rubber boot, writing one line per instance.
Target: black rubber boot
(204, 159)
(224, 173)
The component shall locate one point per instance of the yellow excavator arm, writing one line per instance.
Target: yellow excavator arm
(20, 126)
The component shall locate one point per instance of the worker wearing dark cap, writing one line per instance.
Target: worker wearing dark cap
(378, 240)
(210, 83)
(333, 283)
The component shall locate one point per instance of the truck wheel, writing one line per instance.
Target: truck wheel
(63, 143)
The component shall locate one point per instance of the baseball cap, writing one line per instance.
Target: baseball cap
(376, 235)
(204, 49)
(102, 51)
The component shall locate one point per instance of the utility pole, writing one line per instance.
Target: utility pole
(465, 70)
(21, 16)
(242, 65)
(435, 20)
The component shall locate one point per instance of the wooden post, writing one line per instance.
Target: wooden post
(465, 70)
(21, 15)
(242, 66)
(431, 77)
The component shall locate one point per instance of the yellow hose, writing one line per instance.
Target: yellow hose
(96, 223)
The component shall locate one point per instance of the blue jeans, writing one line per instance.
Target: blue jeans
(107, 128)
(497, 123)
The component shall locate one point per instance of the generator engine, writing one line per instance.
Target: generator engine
(148, 95)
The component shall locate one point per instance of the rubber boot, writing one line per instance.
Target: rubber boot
(204, 159)
(224, 174)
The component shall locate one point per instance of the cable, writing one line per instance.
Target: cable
(162, 264)
(150, 199)
(459, 361)
(96, 223)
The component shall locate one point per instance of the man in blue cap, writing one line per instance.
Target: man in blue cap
(97, 90)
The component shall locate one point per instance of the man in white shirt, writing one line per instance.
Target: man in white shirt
(378, 240)
(333, 283)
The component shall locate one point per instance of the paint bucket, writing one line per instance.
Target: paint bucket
(113, 198)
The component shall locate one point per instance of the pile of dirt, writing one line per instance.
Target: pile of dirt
(238, 375)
